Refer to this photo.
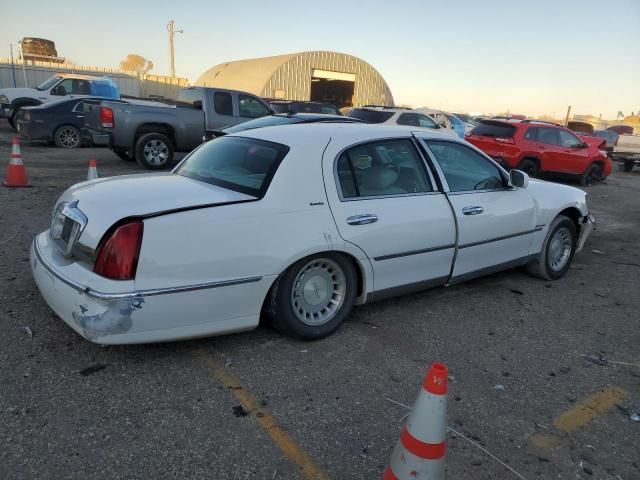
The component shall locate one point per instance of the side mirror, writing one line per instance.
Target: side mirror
(519, 179)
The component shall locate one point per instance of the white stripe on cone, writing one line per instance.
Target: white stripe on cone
(93, 171)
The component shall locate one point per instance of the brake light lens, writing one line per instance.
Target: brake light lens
(106, 117)
(118, 255)
(505, 140)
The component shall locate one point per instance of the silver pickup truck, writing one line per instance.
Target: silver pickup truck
(150, 132)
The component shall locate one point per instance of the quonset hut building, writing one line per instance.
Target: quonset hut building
(337, 78)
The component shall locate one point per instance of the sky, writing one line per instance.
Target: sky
(534, 57)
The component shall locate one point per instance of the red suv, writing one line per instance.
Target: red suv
(538, 147)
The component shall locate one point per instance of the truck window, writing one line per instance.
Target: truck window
(190, 98)
(251, 107)
(222, 103)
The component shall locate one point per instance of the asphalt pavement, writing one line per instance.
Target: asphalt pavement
(543, 375)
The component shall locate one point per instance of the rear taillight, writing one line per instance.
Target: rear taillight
(505, 140)
(118, 255)
(106, 117)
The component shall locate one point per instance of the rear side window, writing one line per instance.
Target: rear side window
(245, 165)
(416, 120)
(494, 129)
(371, 116)
(222, 103)
(390, 167)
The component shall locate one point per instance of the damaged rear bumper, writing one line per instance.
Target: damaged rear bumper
(113, 312)
(588, 225)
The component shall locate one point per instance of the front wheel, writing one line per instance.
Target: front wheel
(313, 297)
(154, 151)
(557, 250)
(593, 174)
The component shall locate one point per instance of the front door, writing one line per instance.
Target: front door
(574, 157)
(495, 222)
(383, 200)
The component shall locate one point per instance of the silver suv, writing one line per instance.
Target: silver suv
(395, 116)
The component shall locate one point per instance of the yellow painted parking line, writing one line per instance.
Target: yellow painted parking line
(294, 452)
(586, 411)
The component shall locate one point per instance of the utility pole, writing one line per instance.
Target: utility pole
(566, 120)
(13, 66)
(24, 69)
(171, 27)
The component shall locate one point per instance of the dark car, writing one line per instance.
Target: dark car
(293, 106)
(282, 119)
(59, 122)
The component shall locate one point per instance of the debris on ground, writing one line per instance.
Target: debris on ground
(516, 291)
(599, 252)
(599, 294)
(499, 387)
(90, 370)
(29, 331)
(239, 411)
(635, 417)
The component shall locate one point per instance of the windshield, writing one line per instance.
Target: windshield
(267, 121)
(371, 116)
(49, 83)
(244, 165)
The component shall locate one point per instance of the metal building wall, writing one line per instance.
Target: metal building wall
(294, 77)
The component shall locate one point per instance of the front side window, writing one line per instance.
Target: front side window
(245, 165)
(251, 107)
(568, 139)
(416, 120)
(65, 87)
(389, 167)
(548, 136)
(222, 103)
(465, 169)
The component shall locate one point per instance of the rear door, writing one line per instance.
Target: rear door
(548, 144)
(495, 223)
(383, 199)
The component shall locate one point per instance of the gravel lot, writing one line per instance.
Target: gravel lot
(163, 411)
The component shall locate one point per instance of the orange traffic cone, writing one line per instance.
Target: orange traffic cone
(16, 173)
(421, 449)
(93, 170)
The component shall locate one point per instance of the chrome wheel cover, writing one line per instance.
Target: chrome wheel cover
(156, 152)
(559, 250)
(318, 291)
(68, 138)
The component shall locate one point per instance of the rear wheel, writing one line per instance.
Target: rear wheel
(557, 250)
(313, 297)
(67, 136)
(12, 118)
(627, 166)
(528, 166)
(154, 151)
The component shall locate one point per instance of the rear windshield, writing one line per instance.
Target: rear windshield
(493, 129)
(371, 116)
(245, 165)
(267, 121)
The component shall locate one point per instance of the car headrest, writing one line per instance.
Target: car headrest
(379, 178)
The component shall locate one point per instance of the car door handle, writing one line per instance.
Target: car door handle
(472, 210)
(362, 219)
(80, 116)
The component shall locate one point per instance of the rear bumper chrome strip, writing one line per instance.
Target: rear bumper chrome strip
(137, 293)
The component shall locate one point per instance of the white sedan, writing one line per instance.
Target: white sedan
(298, 224)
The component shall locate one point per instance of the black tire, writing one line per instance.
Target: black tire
(158, 154)
(67, 136)
(592, 175)
(124, 155)
(627, 166)
(12, 119)
(281, 299)
(528, 166)
(543, 266)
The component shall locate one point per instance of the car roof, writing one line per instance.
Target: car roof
(82, 77)
(345, 133)
(378, 108)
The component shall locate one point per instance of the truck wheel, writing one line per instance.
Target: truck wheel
(67, 136)
(627, 166)
(529, 167)
(124, 155)
(154, 151)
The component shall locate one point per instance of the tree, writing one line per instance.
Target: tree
(136, 63)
